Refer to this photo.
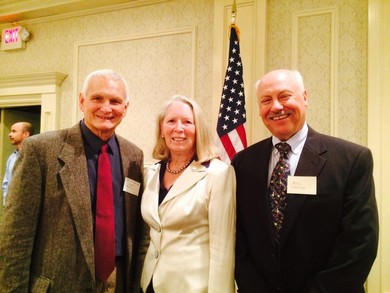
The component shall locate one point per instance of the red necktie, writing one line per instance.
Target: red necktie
(104, 233)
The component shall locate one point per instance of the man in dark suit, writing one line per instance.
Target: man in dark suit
(326, 235)
(49, 226)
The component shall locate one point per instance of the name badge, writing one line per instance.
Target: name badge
(131, 186)
(302, 185)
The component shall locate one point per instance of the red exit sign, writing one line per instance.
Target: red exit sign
(10, 39)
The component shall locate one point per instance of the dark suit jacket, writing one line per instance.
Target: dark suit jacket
(328, 241)
(46, 241)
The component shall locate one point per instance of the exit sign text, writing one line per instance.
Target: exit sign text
(11, 40)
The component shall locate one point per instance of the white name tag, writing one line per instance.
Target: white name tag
(131, 186)
(302, 185)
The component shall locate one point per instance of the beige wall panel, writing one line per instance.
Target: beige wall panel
(378, 133)
(313, 52)
(336, 84)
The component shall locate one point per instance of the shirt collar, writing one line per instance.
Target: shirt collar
(295, 141)
(93, 141)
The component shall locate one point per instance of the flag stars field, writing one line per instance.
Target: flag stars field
(232, 114)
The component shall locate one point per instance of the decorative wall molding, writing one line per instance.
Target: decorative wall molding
(34, 89)
(190, 32)
(298, 39)
(79, 12)
(35, 79)
(156, 65)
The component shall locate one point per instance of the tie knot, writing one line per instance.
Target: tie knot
(104, 148)
(283, 148)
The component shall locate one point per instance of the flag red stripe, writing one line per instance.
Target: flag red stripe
(242, 134)
(227, 144)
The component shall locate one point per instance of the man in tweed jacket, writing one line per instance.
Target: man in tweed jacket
(47, 233)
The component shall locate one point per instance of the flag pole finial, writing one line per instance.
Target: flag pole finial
(234, 12)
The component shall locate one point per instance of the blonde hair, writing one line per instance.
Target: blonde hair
(205, 149)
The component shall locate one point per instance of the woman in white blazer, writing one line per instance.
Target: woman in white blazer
(189, 204)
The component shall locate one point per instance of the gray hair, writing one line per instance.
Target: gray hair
(108, 73)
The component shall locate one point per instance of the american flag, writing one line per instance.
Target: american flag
(232, 114)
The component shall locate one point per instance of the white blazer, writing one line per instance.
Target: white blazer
(192, 232)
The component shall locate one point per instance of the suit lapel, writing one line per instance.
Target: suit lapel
(74, 177)
(130, 165)
(132, 168)
(153, 184)
(192, 174)
(310, 164)
(261, 158)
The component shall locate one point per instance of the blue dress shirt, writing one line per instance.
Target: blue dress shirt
(8, 173)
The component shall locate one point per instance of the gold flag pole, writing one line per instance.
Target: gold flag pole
(234, 13)
(233, 20)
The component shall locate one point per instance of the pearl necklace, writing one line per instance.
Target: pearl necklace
(178, 170)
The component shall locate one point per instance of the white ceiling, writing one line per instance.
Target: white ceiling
(13, 11)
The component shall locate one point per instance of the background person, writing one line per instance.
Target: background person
(328, 239)
(189, 204)
(49, 225)
(19, 131)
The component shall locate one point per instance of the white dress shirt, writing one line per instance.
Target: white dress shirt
(296, 143)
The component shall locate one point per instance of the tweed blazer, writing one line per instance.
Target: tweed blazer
(328, 241)
(46, 241)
